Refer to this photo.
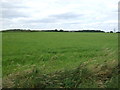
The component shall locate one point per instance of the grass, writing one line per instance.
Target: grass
(0, 60)
(59, 59)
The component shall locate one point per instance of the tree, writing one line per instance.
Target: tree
(111, 31)
(56, 30)
(61, 30)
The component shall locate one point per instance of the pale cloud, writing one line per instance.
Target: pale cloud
(60, 14)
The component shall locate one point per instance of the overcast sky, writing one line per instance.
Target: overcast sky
(60, 14)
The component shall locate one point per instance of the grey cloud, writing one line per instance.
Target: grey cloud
(58, 18)
(69, 15)
(44, 20)
(12, 13)
(11, 9)
(80, 22)
(14, 4)
(47, 20)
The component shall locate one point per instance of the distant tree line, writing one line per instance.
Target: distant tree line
(28, 30)
(72, 31)
(117, 32)
(20, 30)
(90, 31)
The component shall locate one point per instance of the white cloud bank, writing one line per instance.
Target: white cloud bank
(60, 14)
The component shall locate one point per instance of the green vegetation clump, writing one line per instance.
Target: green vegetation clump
(60, 60)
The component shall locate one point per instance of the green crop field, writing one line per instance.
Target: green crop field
(60, 59)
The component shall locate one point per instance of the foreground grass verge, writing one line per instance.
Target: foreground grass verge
(76, 78)
(89, 74)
